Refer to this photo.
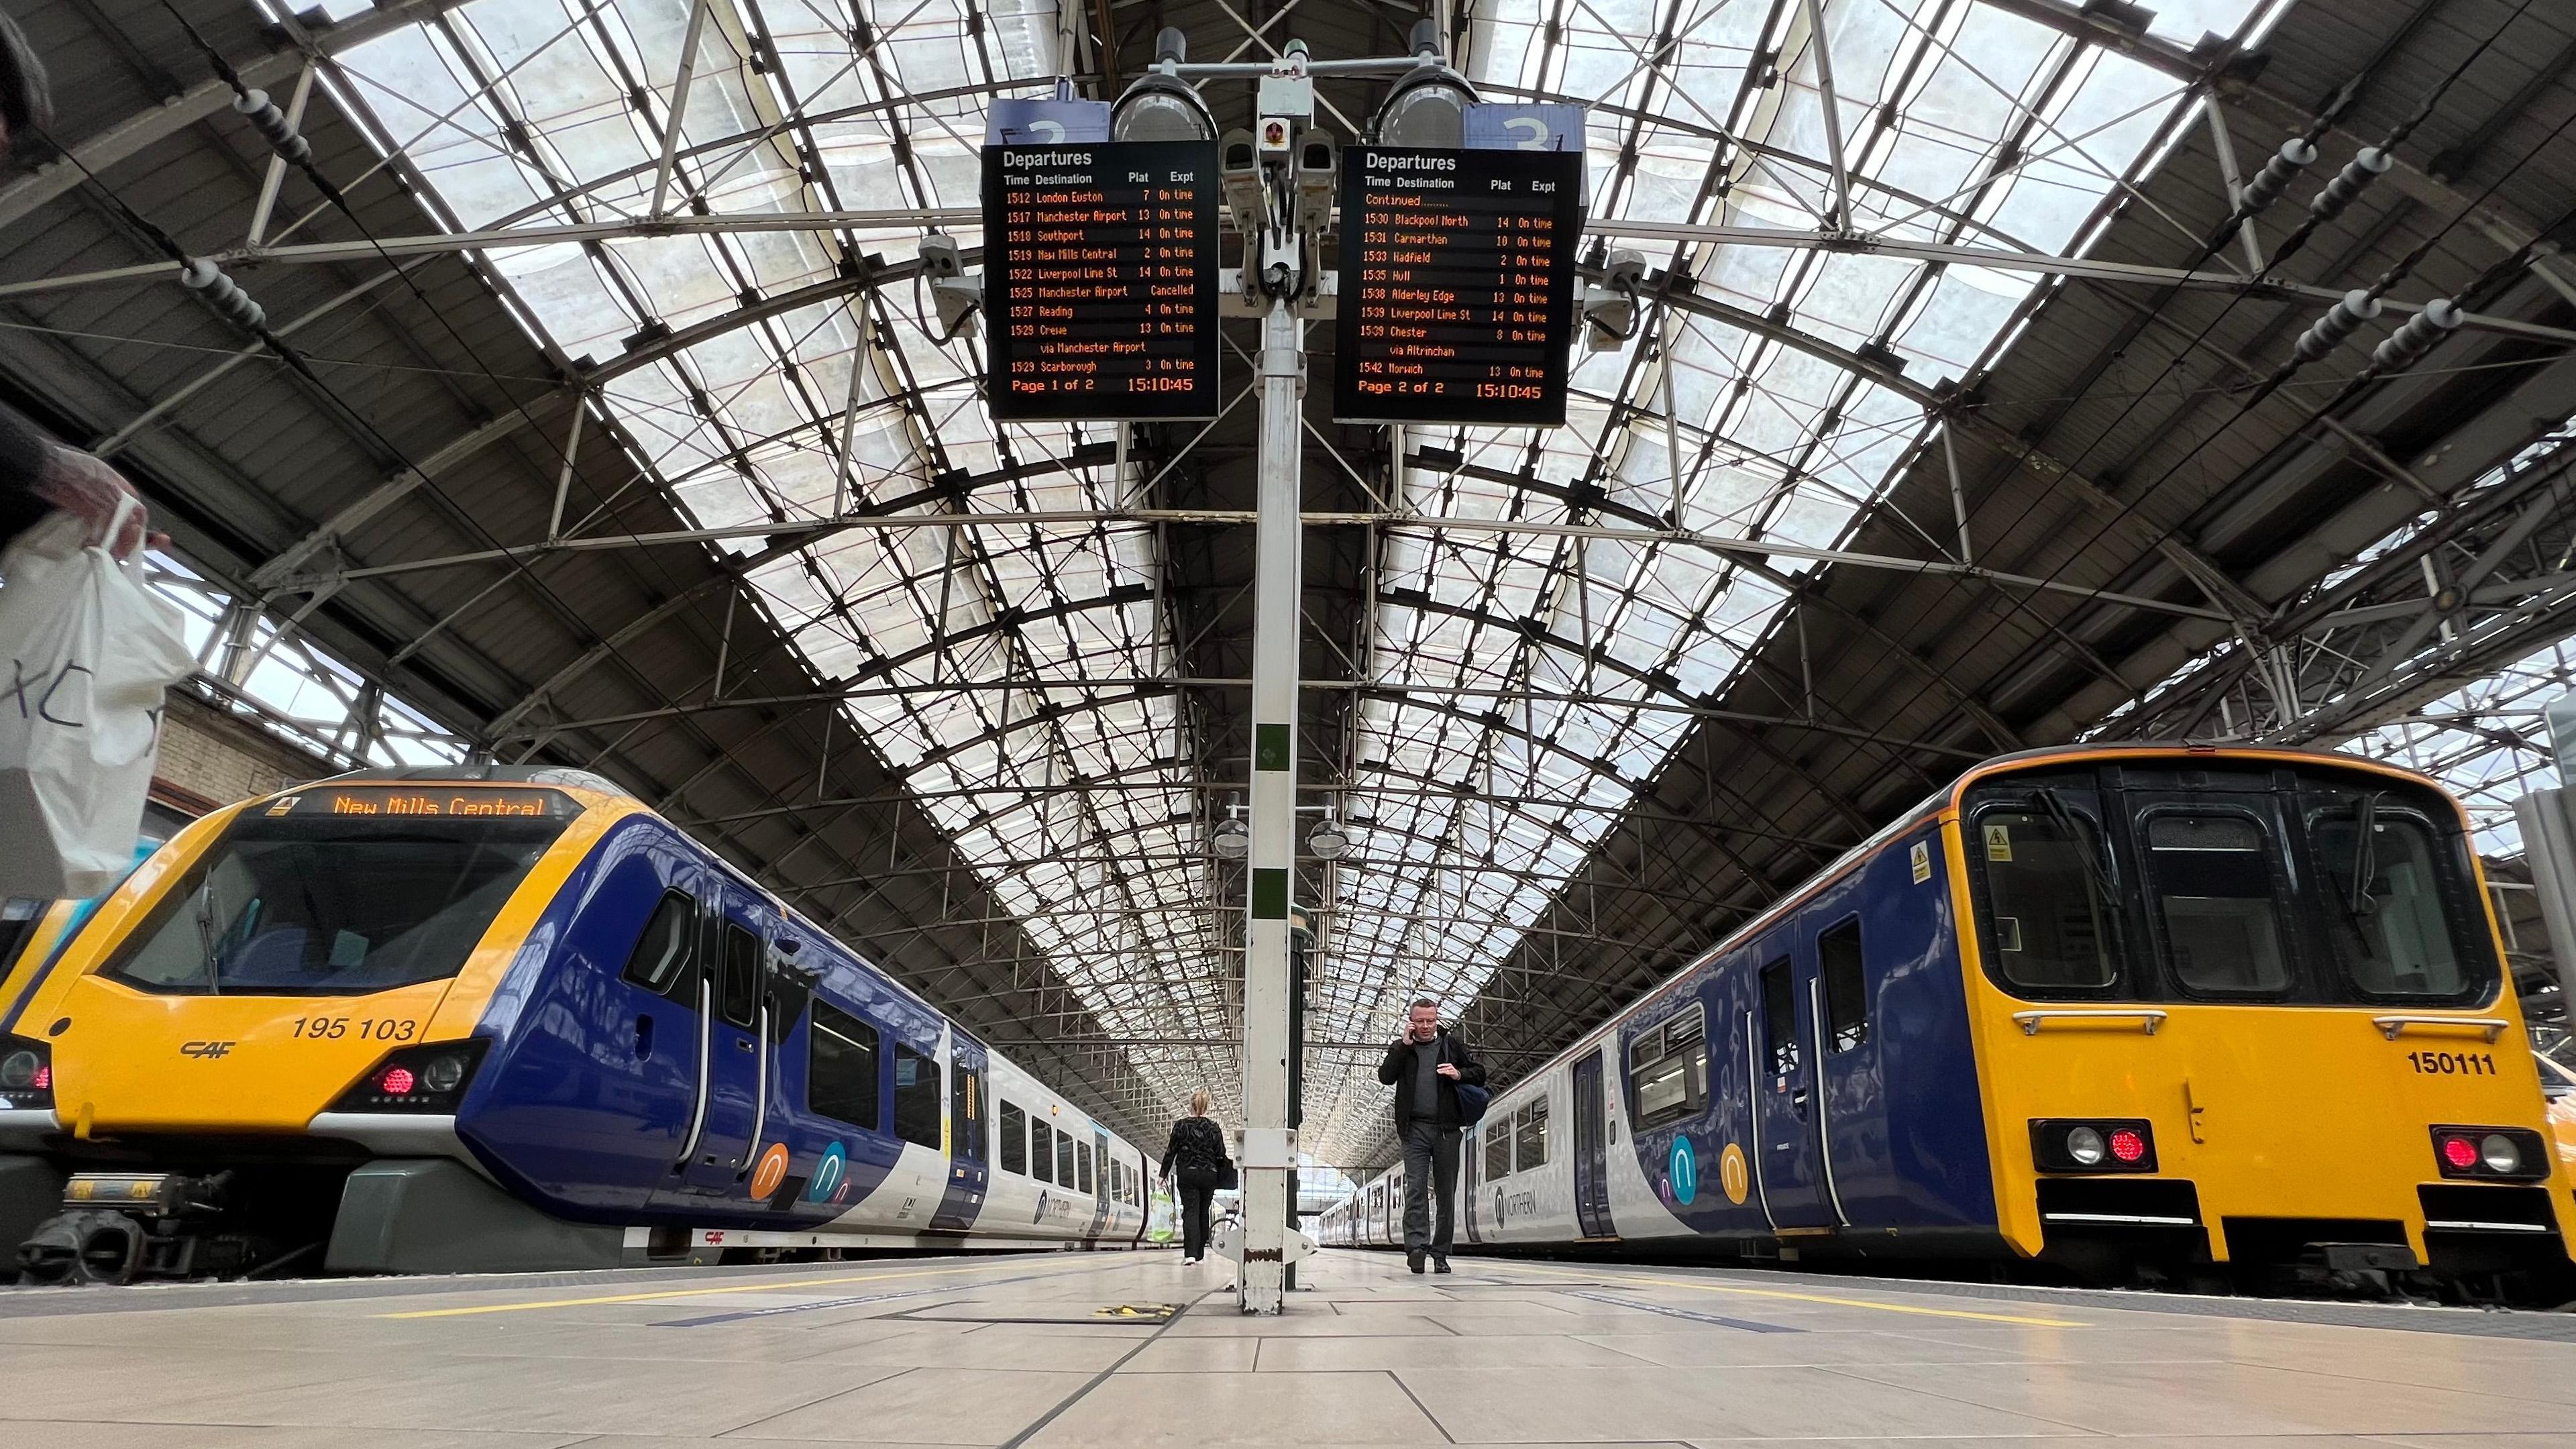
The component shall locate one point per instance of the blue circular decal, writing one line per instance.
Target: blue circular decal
(1684, 1168)
(828, 1173)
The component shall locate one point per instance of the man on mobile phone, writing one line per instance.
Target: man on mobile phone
(1426, 1066)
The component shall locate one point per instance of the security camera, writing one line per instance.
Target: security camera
(1239, 166)
(939, 256)
(957, 296)
(1319, 162)
(1610, 305)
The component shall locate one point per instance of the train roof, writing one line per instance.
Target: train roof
(486, 774)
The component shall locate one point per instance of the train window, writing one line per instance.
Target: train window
(841, 1068)
(2387, 924)
(19, 917)
(1041, 1151)
(1668, 1069)
(738, 988)
(1779, 1018)
(1015, 1139)
(916, 1096)
(1498, 1150)
(1082, 1166)
(2052, 911)
(330, 905)
(1838, 962)
(2213, 895)
(1064, 1173)
(1529, 1135)
(966, 1102)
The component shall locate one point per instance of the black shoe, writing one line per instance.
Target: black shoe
(1439, 1265)
(1413, 1259)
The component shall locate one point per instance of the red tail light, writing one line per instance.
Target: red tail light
(427, 1077)
(2127, 1145)
(2460, 1152)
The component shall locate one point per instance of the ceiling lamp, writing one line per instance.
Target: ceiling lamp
(1232, 841)
(1328, 842)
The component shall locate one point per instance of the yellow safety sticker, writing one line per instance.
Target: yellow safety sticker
(1922, 858)
(1998, 842)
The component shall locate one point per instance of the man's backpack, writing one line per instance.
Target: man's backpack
(1472, 1102)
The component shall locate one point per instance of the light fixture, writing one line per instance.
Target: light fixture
(1427, 106)
(1328, 842)
(1232, 841)
(1159, 105)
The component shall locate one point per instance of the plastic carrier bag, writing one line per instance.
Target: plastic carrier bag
(86, 652)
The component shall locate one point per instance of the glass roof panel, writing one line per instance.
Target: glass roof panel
(1061, 784)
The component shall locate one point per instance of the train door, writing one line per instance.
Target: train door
(969, 1172)
(1787, 1109)
(733, 1054)
(1591, 1149)
(1096, 1183)
(1471, 1154)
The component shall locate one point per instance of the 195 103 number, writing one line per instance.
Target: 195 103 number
(333, 1028)
(2453, 1064)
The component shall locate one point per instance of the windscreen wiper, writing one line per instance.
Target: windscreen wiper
(2365, 856)
(2068, 821)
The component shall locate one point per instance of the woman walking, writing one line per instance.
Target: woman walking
(1197, 1149)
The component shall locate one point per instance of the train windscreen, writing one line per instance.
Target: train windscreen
(2310, 885)
(297, 903)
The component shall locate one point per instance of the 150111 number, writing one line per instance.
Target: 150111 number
(2453, 1064)
(333, 1028)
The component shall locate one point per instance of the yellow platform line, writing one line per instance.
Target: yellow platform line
(1824, 1298)
(769, 1286)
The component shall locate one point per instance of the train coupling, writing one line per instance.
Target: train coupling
(120, 1227)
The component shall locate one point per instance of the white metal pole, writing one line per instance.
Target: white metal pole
(1269, 1146)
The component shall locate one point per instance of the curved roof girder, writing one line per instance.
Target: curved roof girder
(2204, 572)
(2234, 75)
(121, 140)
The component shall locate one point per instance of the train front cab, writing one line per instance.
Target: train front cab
(458, 1023)
(2246, 1009)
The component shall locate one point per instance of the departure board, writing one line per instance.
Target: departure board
(1100, 281)
(1457, 285)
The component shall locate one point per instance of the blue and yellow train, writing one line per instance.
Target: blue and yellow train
(2196, 1012)
(493, 1017)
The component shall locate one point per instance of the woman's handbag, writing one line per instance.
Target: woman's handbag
(1227, 1179)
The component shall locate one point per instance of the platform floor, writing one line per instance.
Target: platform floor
(1070, 1349)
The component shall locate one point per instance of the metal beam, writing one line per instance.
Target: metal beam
(121, 140)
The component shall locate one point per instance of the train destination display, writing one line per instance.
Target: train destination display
(1100, 281)
(1457, 285)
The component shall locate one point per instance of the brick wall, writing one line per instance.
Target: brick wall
(210, 759)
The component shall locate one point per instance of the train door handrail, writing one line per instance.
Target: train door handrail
(2148, 1018)
(1824, 1099)
(1753, 1120)
(2394, 1026)
(706, 1036)
(759, 1091)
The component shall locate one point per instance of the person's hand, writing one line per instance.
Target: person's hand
(91, 491)
(1447, 1070)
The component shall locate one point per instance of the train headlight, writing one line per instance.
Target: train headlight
(26, 1073)
(431, 1078)
(2063, 1144)
(2507, 1154)
(2499, 1154)
(444, 1073)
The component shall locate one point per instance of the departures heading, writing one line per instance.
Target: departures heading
(1457, 285)
(1101, 281)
